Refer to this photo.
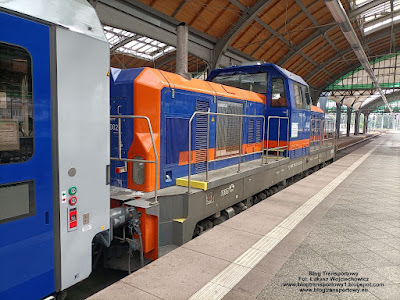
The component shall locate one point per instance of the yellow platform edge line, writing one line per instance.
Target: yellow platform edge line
(193, 183)
(180, 220)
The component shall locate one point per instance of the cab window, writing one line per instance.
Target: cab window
(255, 82)
(306, 97)
(16, 105)
(301, 96)
(278, 98)
(298, 97)
(230, 80)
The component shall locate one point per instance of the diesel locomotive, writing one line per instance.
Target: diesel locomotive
(169, 100)
(93, 159)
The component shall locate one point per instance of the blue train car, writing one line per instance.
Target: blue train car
(54, 149)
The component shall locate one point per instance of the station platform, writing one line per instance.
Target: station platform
(347, 141)
(332, 235)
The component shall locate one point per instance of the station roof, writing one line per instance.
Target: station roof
(358, 88)
(298, 35)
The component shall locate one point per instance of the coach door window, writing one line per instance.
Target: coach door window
(16, 105)
(17, 201)
(278, 98)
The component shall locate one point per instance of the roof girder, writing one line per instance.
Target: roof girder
(371, 39)
(314, 21)
(248, 16)
(296, 50)
(135, 16)
(178, 9)
(255, 10)
(124, 42)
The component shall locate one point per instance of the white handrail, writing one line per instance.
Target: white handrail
(119, 158)
(279, 135)
(208, 133)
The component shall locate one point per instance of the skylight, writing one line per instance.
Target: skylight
(126, 42)
(379, 16)
(381, 24)
(376, 95)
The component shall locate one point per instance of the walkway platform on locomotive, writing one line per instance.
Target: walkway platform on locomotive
(319, 238)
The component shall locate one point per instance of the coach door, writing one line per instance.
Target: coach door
(26, 181)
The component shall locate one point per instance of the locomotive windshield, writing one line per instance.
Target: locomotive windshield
(256, 82)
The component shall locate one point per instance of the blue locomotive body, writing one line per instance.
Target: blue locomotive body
(279, 101)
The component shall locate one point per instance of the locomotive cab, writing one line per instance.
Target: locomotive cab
(287, 107)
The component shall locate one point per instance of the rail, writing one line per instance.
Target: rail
(279, 148)
(239, 156)
(119, 158)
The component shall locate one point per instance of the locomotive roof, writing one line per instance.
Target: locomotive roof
(158, 79)
(254, 69)
(76, 15)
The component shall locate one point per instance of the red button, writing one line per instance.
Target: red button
(73, 222)
(73, 200)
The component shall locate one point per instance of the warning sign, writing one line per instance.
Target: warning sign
(295, 130)
(9, 136)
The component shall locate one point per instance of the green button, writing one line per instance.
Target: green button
(72, 190)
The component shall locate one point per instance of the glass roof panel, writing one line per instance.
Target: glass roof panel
(138, 46)
(386, 69)
(379, 16)
(376, 95)
(358, 83)
(362, 2)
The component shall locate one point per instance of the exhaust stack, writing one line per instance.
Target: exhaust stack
(182, 51)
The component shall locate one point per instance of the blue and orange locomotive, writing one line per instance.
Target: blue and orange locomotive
(169, 100)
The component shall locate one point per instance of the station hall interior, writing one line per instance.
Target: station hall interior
(199, 149)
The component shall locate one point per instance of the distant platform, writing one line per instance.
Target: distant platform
(346, 141)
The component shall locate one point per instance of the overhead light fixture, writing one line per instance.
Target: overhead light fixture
(335, 7)
(340, 16)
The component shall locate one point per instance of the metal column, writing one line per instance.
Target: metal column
(357, 122)
(349, 111)
(338, 117)
(366, 115)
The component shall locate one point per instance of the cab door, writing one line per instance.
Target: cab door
(277, 116)
(26, 175)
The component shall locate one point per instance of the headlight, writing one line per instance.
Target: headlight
(138, 171)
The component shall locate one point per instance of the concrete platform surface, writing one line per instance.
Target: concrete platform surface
(345, 141)
(333, 235)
